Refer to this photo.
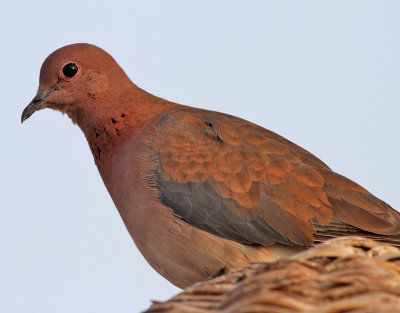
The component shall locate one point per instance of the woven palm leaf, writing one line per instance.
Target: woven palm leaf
(346, 274)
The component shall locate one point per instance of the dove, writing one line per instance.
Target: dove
(200, 190)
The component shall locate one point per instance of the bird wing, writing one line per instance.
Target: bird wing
(240, 181)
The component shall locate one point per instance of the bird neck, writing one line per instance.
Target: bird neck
(113, 121)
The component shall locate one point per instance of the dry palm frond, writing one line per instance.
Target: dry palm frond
(347, 274)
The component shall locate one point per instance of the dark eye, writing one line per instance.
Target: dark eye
(70, 70)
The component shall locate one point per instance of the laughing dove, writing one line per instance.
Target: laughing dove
(200, 190)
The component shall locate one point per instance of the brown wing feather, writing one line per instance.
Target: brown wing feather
(256, 181)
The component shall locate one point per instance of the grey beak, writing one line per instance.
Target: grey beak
(37, 102)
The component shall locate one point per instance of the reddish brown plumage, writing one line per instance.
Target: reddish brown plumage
(199, 190)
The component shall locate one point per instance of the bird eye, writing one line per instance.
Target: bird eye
(70, 70)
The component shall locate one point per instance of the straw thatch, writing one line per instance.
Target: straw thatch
(347, 274)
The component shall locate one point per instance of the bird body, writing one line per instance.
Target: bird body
(200, 190)
(176, 249)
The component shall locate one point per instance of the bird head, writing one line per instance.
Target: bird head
(76, 79)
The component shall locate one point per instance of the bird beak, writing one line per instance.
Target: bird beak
(37, 102)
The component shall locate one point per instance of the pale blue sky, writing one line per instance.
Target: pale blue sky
(324, 74)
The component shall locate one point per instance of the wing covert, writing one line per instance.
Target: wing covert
(240, 181)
